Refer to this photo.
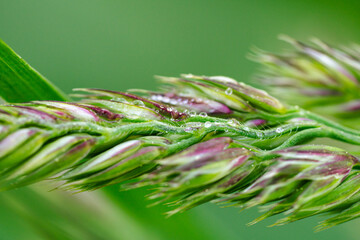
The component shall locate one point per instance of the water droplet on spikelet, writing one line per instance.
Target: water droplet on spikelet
(259, 134)
(233, 122)
(192, 113)
(173, 102)
(139, 103)
(166, 99)
(228, 91)
(207, 124)
(279, 130)
(123, 100)
(203, 114)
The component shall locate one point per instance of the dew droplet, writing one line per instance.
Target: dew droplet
(156, 98)
(197, 124)
(259, 134)
(246, 128)
(279, 130)
(192, 113)
(139, 103)
(185, 101)
(123, 100)
(207, 124)
(173, 102)
(233, 122)
(203, 114)
(166, 99)
(228, 91)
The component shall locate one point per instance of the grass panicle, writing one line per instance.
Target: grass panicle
(198, 139)
(315, 76)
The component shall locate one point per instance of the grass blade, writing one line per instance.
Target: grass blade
(19, 82)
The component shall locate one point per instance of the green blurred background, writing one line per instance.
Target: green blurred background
(118, 44)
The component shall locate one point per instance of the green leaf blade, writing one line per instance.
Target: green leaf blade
(19, 82)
